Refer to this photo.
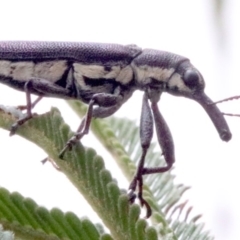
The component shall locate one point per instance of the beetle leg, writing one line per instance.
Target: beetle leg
(29, 107)
(146, 133)
(108, 104)
(165, 141)
(41, 87)
(100, 112)
(33, 104)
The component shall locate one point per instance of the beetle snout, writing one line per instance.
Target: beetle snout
(215, 115)
(225, 135)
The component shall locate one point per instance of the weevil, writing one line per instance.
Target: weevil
(105, 76)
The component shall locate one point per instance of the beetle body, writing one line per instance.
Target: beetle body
(85, 68)
(82, 69)
(106, 75)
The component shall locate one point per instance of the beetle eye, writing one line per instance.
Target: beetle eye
(191, 78)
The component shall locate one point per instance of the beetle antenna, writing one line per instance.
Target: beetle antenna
(225, 100)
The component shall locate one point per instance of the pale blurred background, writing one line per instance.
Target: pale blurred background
(202, 30)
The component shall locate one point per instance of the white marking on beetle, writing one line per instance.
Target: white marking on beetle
(177, 81)
(5, 68)
(80, 79)
(90, 71)
(25, 70)
(21, 71)
(96, 71)
(50, 70)
(144, 72)
(125, 76)
(112, 74)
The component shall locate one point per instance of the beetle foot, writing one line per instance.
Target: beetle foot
(70, 143)
(143, 203)
(48, 159)
(20, 122)
(132, 188)
(68, 147)
(132, 195)
(13, 128)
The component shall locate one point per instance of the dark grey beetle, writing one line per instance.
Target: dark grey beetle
(104, 76)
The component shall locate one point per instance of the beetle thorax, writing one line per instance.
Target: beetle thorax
(155, 67)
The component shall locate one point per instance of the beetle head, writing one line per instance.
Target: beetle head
(188, 82)
(185, 81)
